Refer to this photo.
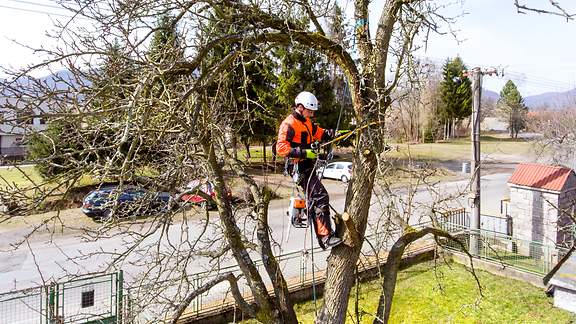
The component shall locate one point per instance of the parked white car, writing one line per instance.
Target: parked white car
(337, 170)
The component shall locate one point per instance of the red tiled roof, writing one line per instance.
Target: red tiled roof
(540, 176)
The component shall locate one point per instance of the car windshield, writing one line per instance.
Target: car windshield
(94, 195)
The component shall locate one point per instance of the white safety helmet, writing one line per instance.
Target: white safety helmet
(307, 99)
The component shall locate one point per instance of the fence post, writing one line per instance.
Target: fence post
(52, 313)
(119, 296)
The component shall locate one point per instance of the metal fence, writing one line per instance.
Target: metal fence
(148, 303)
(101, 299)
(525, 255)
(297, 267)
(496, 224)
(24, 306)
(90, 299)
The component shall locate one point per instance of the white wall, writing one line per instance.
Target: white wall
(13, 133)
(565, 299)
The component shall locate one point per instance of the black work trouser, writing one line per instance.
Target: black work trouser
(318, 201)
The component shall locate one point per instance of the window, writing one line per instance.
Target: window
(339, 167)
(24, 117)
(331, 166)
(88, 298)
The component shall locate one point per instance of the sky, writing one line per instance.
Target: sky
(535, 51)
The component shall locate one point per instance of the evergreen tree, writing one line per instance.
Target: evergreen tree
(111, 89)
(303, 70)
(247, 89)
(58, 149)
(256, 96)
(456, 95)
(165, 44)
(343, 101)
(511, 108)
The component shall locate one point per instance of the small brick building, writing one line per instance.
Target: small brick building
(541, 198)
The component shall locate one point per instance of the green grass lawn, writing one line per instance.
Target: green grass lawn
(461, 148)
(449, 294)
(11, 176)
(456, 149)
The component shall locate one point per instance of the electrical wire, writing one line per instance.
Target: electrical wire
(37, 11)
(51, 13)
(37, 4)
(517, 76)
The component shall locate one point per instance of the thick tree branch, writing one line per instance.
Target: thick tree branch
(244, 306)
(392, 266)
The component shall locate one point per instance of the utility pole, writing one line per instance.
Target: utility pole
(476, 76)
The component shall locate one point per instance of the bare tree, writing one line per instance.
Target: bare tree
(558, 136)
(159, 123)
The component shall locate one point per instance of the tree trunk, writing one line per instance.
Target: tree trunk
(247, 146)
(266, 311)
(392, 266)
(262, 199)
(343, 258)
(234, 143)
(264, 152)
(274, 152)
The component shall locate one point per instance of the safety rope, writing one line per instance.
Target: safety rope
(313, 268)
(350, 133)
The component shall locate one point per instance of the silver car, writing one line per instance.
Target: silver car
(336, 170)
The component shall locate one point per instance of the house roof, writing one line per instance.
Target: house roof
(563, 274)
(541, 176)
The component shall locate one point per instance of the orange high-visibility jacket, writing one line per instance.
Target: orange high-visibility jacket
(296, 134)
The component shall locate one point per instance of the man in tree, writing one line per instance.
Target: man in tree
(295, 138)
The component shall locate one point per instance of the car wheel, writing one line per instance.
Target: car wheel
(104, 216)
(344, 179)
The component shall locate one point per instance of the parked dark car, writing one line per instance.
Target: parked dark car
(122, 202)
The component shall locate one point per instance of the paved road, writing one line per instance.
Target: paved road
(43, 259)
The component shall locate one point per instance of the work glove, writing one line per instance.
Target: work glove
(308, 154)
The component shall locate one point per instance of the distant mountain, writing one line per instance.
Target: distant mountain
(552, 100)
(60, 80)
(490, 95)
(547, 100)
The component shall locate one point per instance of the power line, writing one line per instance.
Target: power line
(515, 75)
(37, 4)
(38, 11)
